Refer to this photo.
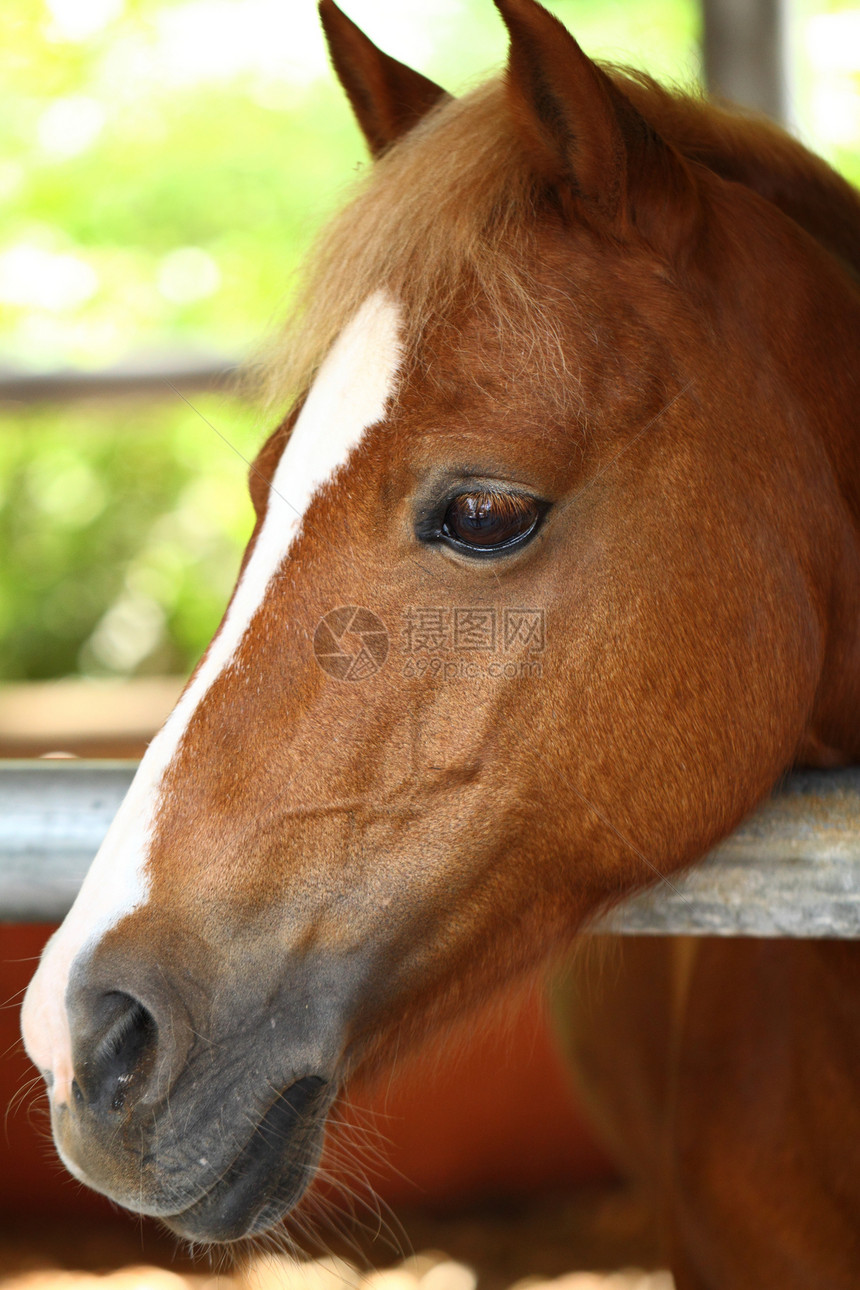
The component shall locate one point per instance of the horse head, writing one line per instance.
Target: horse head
(553, 575)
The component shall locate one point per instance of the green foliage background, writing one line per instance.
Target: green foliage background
(122, 524)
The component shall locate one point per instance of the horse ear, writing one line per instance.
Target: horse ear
(586, 137)
(387, 97)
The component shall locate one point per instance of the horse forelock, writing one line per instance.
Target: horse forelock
(445, 217)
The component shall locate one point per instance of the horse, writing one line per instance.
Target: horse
(555, 573)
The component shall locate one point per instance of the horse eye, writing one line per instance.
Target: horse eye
(487, 522)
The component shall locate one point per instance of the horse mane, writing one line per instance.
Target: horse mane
(450, 204)
(450, 207)
(751, 150)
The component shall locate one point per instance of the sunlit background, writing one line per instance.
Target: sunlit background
(165, 164)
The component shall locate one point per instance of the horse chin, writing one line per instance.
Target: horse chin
(269, 1175)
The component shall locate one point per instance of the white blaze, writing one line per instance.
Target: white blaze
(348, 396)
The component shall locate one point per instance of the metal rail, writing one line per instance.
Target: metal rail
(138, 379)
(792, 868)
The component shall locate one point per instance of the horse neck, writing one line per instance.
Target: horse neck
(752, 151)
(824, 383)
(816, 390)
(834, 386)
(824, 386)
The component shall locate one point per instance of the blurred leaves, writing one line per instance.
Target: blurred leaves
(138, 130)
(122, 527)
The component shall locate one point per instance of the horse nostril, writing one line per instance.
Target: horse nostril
(120, 1053)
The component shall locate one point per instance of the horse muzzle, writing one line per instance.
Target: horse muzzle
(219, 1197)
(204, 1109)
(270, 1173)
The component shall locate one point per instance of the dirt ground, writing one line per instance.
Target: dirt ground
(594, 1239)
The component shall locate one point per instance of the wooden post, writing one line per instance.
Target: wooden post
(745, 54)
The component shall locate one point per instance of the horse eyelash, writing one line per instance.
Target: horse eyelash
(430, 521)
(430, 529)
